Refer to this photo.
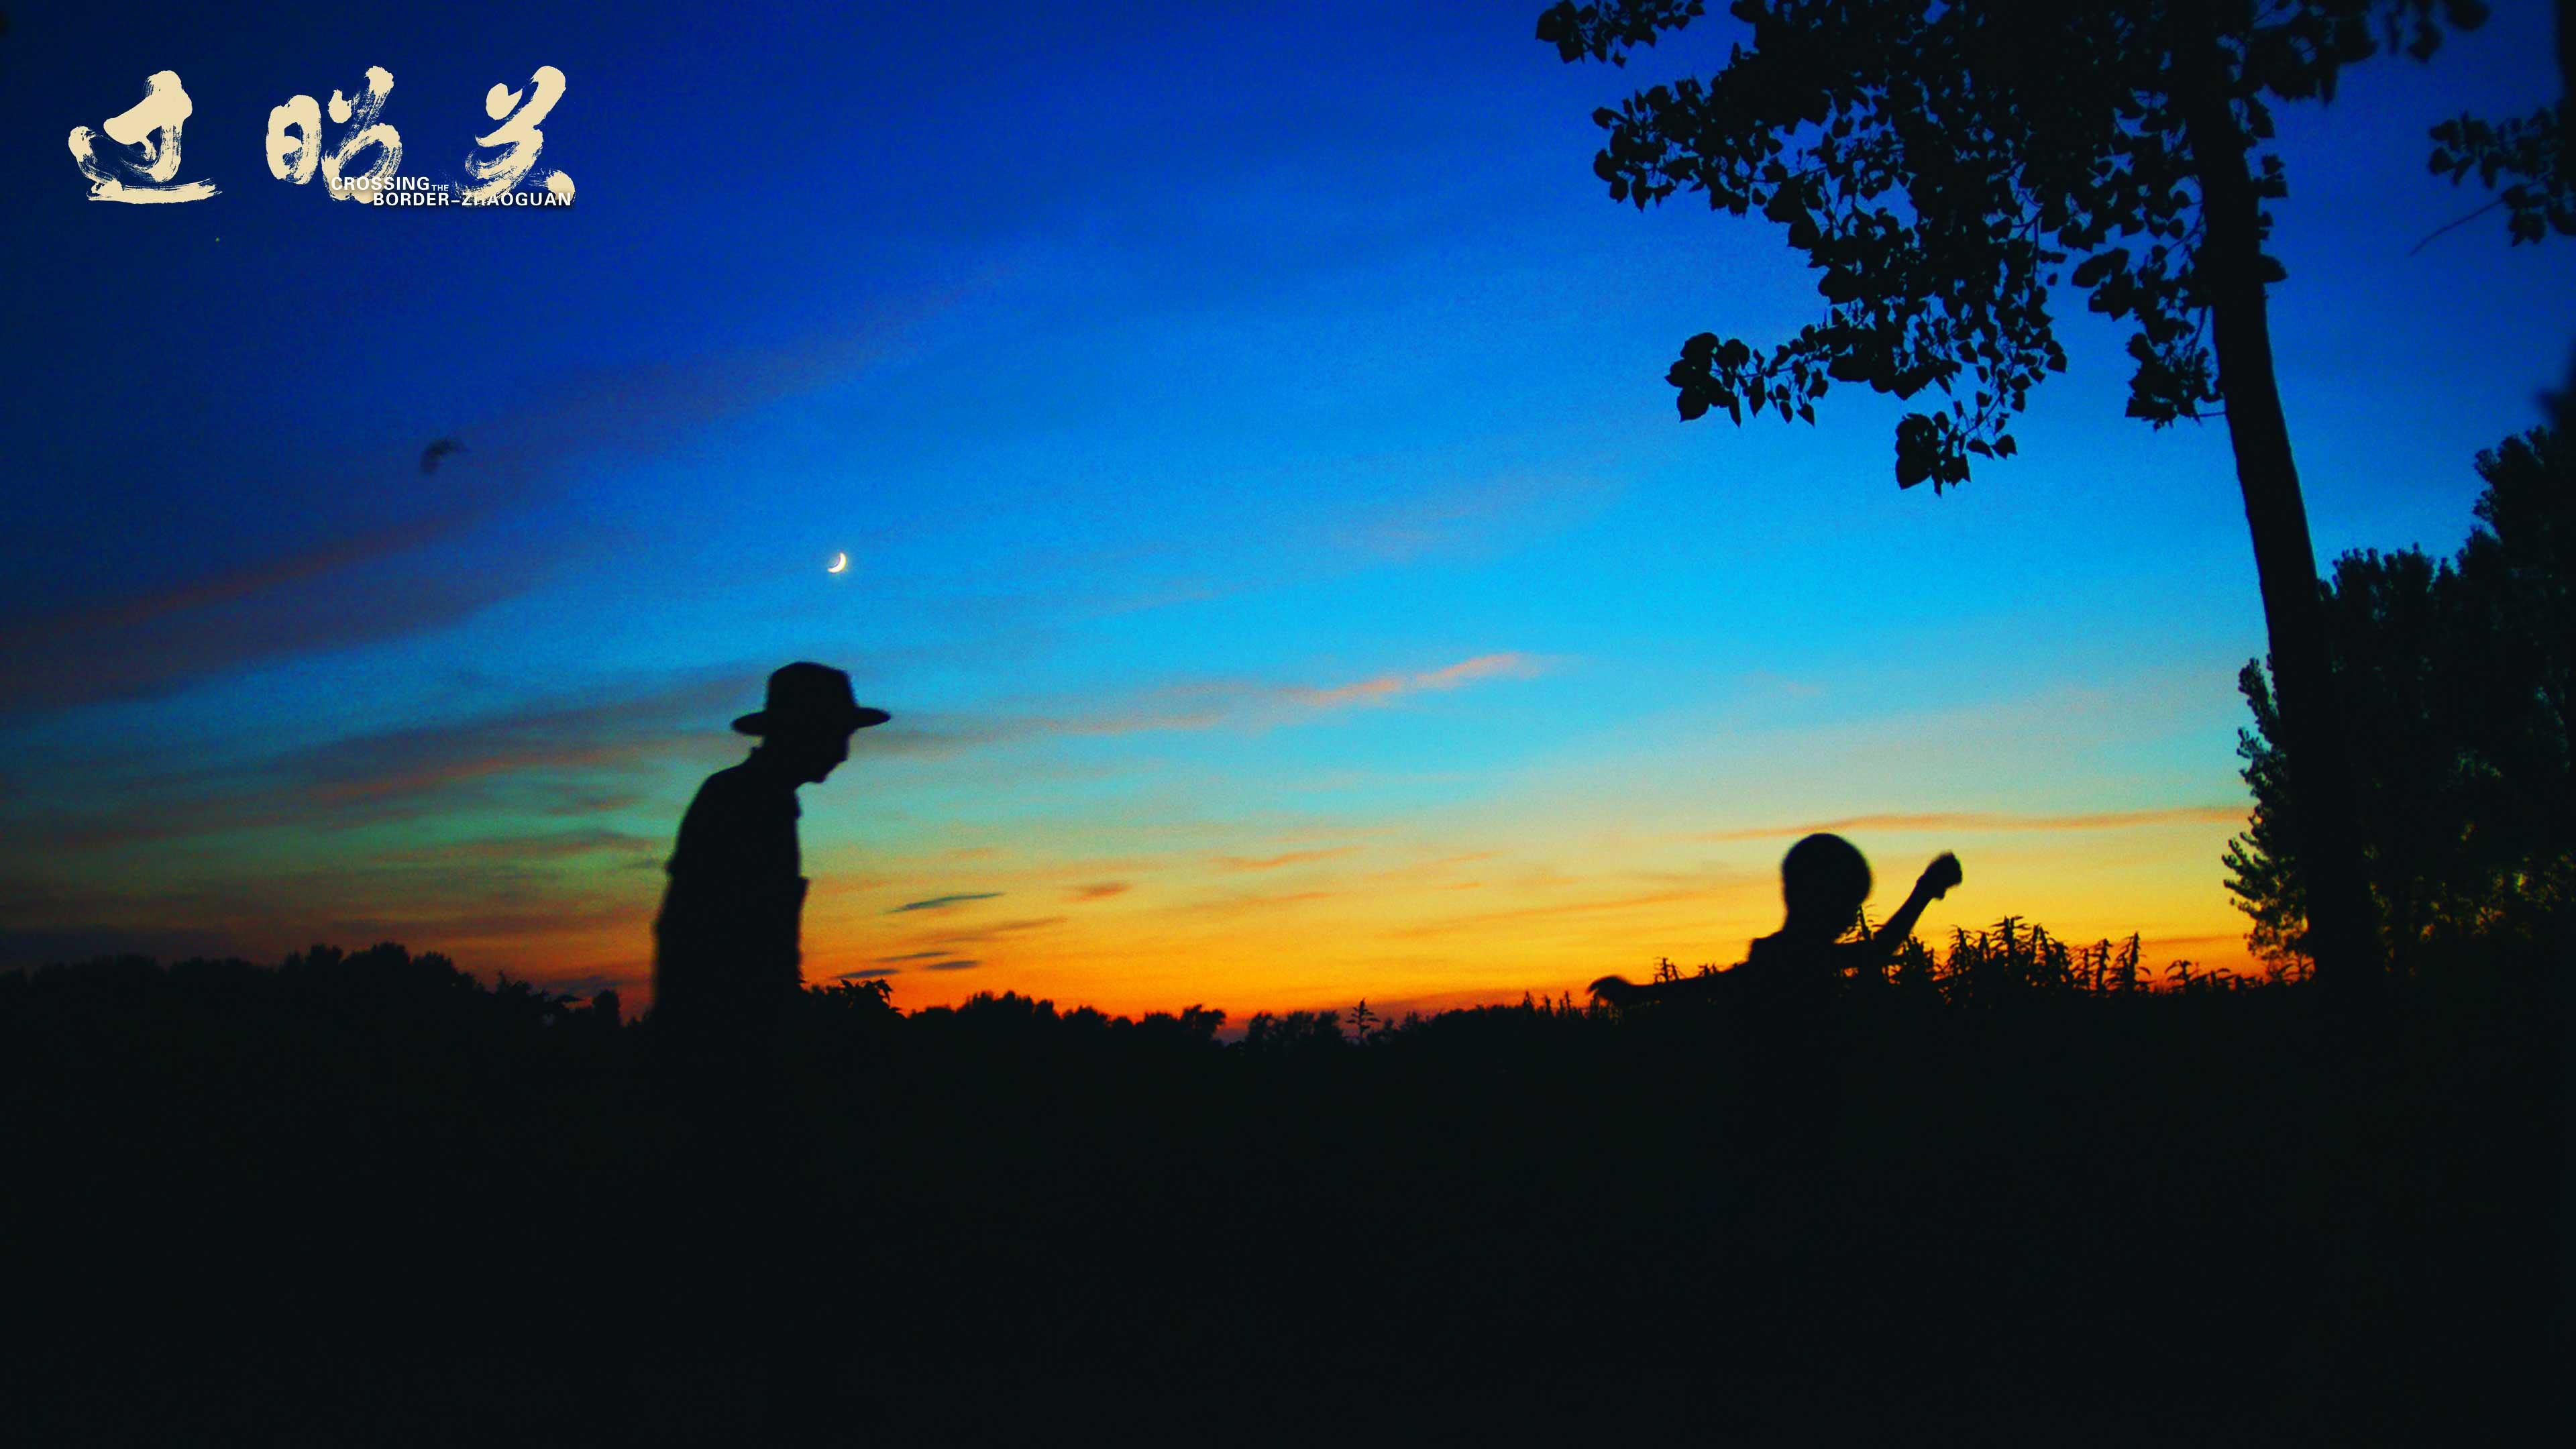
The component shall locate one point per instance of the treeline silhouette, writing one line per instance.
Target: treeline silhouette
(362, 1197)
(2458, 676)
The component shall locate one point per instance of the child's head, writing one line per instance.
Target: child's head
(1824, 879)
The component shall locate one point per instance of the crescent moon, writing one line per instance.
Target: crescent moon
(840, 561)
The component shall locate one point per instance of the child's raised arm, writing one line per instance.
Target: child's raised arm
(1935, 883)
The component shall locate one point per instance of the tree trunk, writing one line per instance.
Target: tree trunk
(2342, 938)
(2566, 77)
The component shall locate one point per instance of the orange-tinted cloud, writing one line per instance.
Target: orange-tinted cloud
(549, 758)
(1100, 892)
(1968, 820)
(557, 845)
(2160, 947)
(552, 737)
(1274, 862)
(975, 934)
(1388, 686)
(1209, 704)
(1599, 906)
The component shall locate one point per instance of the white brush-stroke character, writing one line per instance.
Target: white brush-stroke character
(295, 141)
(152, 127)
(518, 135)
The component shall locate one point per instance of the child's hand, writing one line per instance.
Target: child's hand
(1939, 876)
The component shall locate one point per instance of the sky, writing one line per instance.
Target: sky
(1266, 520)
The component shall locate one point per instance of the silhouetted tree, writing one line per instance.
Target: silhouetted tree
(1059, 1201)
(1294, 1031)
(2459, 674)
(2523, 159)
(1195, 1026)
(1940, 160)
(2530, 156)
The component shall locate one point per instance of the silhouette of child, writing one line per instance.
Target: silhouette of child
(1777, 1029)
(1824, 880)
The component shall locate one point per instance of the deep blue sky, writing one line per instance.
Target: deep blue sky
(1268, 522)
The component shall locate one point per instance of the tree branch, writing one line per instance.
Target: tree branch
(2450, 226)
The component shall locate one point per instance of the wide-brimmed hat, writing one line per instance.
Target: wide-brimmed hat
(809, 696)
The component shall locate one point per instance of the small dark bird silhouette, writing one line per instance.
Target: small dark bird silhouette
(430, 456)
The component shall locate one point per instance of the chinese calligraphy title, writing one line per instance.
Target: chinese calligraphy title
(143, 163)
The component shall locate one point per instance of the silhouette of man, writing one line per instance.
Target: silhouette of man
(725, 971)
(726, 952)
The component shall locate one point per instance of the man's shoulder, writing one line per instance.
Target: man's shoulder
(742, 785)
(735, 799)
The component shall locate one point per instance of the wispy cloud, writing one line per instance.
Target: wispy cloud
(1274, 862)
(872, 973)
(550, 736)
(930, 734)
(1211, 704)
(1969, 820)
(2168, 944)
(1474, 517)
(565, 843)
(1101, 891)
(1436, 866)
(377, 559)
(953, 941)
(960, 964)
(338, 594)
(558, 757)
(941, 903)
(1600, 906)
(557, 845)
(1388, 686)
(1233, 903)
(227, 584)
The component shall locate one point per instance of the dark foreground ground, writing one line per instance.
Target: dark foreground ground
(361, 1202)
